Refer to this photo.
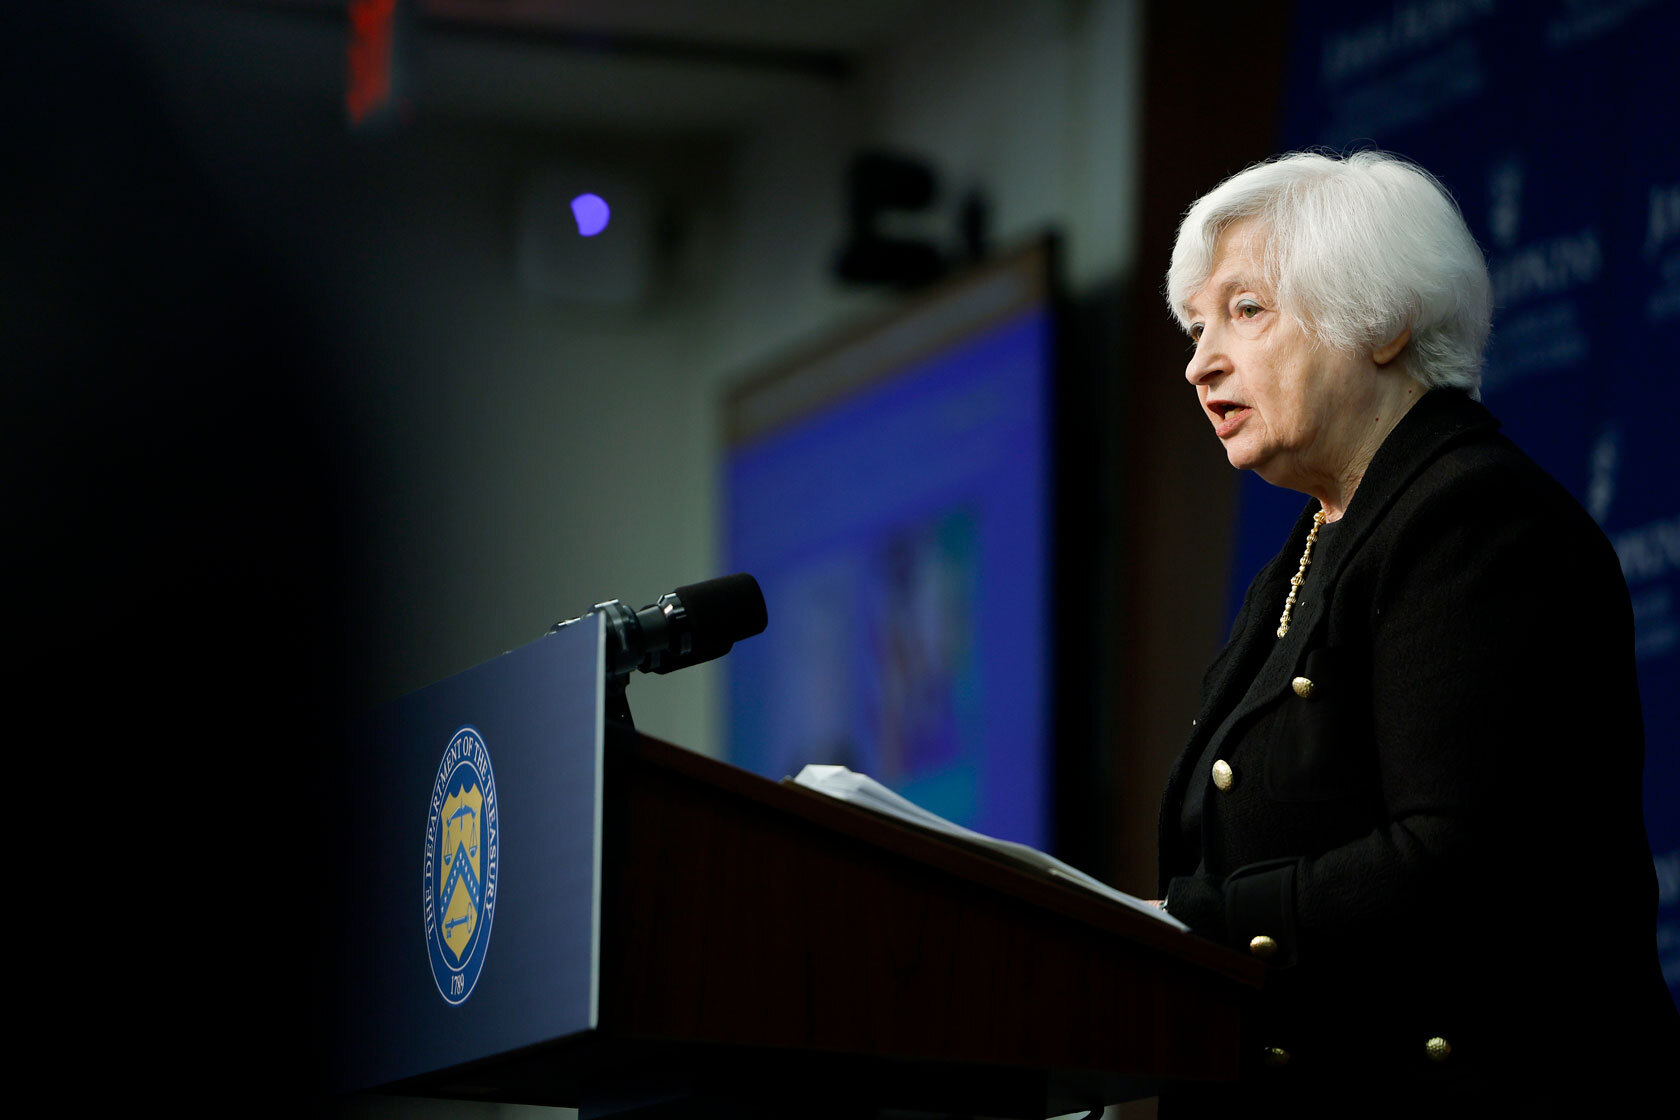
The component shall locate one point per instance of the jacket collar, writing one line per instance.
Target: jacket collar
(1443, 417)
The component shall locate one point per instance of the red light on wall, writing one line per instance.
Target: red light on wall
(370, 89)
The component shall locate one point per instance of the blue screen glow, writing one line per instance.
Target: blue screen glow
(900, 535)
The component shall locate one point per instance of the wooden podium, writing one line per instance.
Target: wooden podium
(769, 951)
(536, 904)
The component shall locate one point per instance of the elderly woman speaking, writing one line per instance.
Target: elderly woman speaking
(1414, 782)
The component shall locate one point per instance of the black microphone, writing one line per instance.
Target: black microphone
(694, 623)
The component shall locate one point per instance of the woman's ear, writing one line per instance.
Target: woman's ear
(1389, 350)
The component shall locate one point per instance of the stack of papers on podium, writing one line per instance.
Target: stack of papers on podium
(865, 792)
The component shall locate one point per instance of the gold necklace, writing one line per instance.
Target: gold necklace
(1301, 572)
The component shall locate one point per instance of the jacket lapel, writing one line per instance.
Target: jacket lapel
(1255, 631)
(1251, 640)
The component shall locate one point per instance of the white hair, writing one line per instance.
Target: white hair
(1357, 250)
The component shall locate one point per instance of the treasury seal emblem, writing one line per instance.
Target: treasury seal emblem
(462, 830)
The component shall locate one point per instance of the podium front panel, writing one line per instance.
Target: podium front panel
(466, 892)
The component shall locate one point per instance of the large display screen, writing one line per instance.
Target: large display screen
(891, 493)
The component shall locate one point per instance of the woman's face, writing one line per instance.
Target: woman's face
(1278, 401)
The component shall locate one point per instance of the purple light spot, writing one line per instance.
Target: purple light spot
(591, 213)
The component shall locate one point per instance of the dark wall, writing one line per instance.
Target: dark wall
(175, 634)
(1213, 80)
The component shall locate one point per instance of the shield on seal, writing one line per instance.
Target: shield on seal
(460, 887)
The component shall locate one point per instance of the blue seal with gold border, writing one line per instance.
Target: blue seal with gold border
(462, 834)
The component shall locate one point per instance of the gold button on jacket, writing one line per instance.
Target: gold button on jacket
(1223, 778)
(1263, 947)
(1439, 1049)
(1275, 1056)
(1303, 687)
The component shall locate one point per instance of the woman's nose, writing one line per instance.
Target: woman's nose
(1205, 361)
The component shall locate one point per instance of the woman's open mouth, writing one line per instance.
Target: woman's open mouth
(1230, 417)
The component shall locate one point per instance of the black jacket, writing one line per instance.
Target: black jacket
(1441, 834)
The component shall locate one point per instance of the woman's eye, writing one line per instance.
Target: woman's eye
(1247, 309)
(1195, 333)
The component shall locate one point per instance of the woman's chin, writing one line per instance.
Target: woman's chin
(1244, 456)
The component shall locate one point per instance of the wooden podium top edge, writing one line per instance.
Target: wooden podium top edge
(948, 856)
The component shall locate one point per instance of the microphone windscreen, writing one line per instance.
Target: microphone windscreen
(721, 612)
